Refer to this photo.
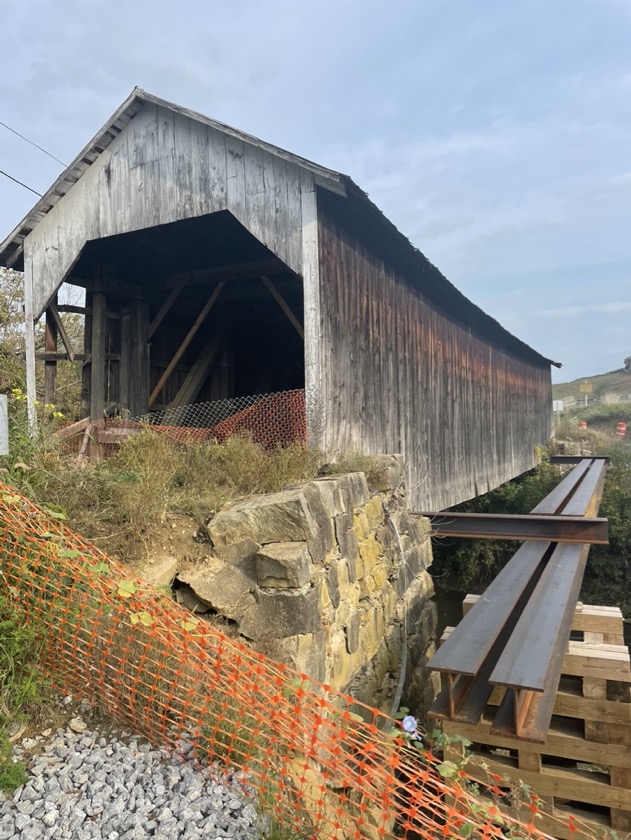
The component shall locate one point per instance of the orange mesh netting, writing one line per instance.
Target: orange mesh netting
(313, 759)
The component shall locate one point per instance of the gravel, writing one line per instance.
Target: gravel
(84, 785)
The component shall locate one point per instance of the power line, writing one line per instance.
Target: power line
(11, 178)
(8, 127)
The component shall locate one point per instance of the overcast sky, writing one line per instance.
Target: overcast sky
(496, 135)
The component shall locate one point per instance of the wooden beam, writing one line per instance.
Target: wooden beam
(69, 307)
(280, 300)
(97, 368)
(125, 358)
(168, 303)
(52, 308)
(198, 373)
(50, 365)
(73, 429)
(15, 256)
(236, 271)
(78, 357)
(139, 360)
(187, 340)
(86, 371)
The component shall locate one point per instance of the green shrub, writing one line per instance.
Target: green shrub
(470, 565)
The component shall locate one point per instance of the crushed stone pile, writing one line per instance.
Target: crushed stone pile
(85, 785)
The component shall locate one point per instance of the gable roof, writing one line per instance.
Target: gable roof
(11, 247)
(399, 247)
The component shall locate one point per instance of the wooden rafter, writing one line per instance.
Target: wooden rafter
(52, 308)
(236, 271)
(198, 373)
(50, 367)
(187, 340)
(280, 300)
(168, 303)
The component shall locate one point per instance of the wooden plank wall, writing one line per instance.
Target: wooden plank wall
(398, 375)
(161, 168)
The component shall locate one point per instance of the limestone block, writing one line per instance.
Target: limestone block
(343, 613)
(333, 585)
(354, 490)
(374, 512)
(240, 552)
(414, 561)
(225, 587)
(371, 633)
(389, 603)
(283, 565)
(186, 598)
(386, 473)
(423, 527)
(330, 494)
(406, 524)
(352, 632)
(416, 598)
(388, 541)
(278, 517)
(317, 501)
(370, 552)
(327, 610)
(347, 542)
(366, 586)
(361, 526)
(380, 576)
(344, 584)
(277, 614)
(161, 571)
(342, 665)
(282, 650)
(420, 583)
(310, 655)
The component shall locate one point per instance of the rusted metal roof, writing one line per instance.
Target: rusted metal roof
(399, 247)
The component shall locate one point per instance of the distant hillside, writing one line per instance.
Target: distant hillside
(616, 382)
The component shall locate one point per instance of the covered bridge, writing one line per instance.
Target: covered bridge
(217, 265)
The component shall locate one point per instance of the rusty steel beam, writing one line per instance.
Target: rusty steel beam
(503, 526)
(568, 460)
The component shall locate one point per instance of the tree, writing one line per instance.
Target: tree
(12, 349)
(12, 369)
(627, 364)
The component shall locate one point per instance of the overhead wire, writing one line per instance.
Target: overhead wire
(37, 146)
(32, 143)
(21, 183)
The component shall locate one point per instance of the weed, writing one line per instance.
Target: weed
(21, 686)
(119, 500)
(12, 773)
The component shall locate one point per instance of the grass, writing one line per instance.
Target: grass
(602, 413)
(22, 687)
(615, 383)
(118, 502)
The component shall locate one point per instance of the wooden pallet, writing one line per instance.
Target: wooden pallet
(583, 770)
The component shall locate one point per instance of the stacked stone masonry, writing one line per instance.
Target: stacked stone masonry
(330, 577)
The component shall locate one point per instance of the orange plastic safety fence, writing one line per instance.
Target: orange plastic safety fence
(318, 762)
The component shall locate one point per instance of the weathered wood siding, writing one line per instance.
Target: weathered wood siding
(161, 168)
(399, 375)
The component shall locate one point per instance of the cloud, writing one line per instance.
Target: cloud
(613, 308)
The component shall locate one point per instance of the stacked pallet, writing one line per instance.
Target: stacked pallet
(583, 770)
